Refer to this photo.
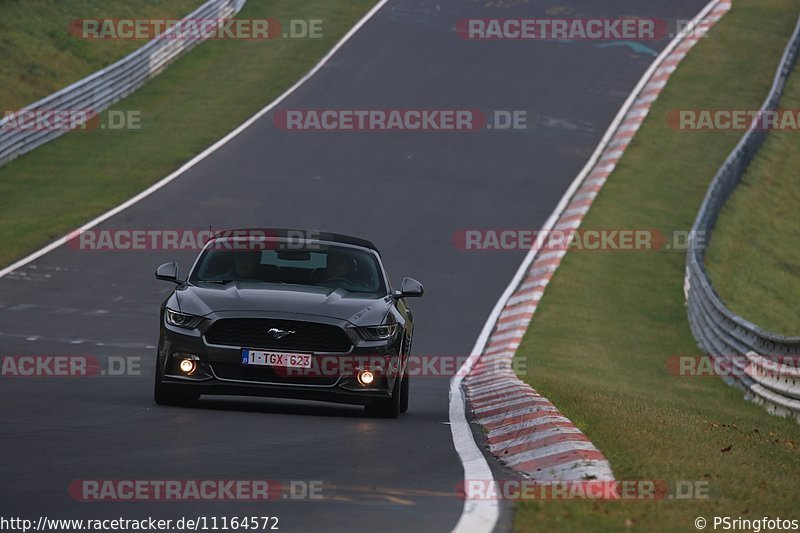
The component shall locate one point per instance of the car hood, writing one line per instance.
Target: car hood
(258, 297)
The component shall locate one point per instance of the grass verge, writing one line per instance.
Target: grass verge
(197, 100)
(609, 321)
(754, 253)
(39, 54)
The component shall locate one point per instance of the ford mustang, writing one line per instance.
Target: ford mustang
(285, 313)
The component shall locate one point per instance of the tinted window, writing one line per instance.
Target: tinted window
(336, 267)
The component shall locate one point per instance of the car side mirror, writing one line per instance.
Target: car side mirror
(409, 288)
(168, 272)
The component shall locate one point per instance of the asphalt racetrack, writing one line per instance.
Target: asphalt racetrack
(408, 192)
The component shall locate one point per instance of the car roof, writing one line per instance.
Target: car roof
(284, 233)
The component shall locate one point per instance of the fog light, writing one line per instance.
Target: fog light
(365, 377)
(188, 366)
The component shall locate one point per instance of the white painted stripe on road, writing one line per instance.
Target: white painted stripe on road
(606, 168)
(505, 346)
(479, 400)
(494, 389)
(592, 182)
(558, 254)
(526, 424)
(531, 439)
(570, 224)
(498, 356)
(509, 335)
(580, 210)
(477, 515)
(669, 69)
(541, 282)
(553, 449)
(510, 403)
(521, 323)
(588, 195)
(613, 154)
(575, 471)
(526, 297)
(483, 376)
(520, 310)
(544, 408)
(491, 402)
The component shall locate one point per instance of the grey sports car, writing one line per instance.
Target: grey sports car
(286, 313)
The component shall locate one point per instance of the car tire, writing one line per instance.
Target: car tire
(164, 394)
(386, 407)
(404, 394)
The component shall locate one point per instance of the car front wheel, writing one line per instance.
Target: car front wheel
(165, 394)
(388, 407)
(404, 395)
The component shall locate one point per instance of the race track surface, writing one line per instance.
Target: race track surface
(406, 191)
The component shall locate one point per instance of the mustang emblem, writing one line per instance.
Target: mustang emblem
(279, 333)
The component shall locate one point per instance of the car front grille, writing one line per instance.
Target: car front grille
(254, 333)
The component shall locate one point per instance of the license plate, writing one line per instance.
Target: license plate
(282, 359)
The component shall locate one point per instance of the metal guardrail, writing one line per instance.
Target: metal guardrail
(105, 87)
(756, 357)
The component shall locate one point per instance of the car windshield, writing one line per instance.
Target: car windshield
(331, 266)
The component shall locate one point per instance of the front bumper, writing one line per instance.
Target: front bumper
(332, 378)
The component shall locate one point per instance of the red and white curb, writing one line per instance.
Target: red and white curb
(524, 430)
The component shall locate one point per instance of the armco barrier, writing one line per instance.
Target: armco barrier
(100, 90)
(764, 373)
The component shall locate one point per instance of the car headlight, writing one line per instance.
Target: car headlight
(182, 320)
(378, 333)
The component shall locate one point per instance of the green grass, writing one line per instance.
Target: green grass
(196, 101)
(40, 56)
(609, 321)
(754, 253)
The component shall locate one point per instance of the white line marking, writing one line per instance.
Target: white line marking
(575, 471)
(530, 439)
(526, 424)
(527, 393)
(516, 401)
(498, 356)
(477, 515)
(543, 407)
(489, 377)
(525, 297)
(495, 390)
(553, 449)
(532, 285)
(202, 155)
